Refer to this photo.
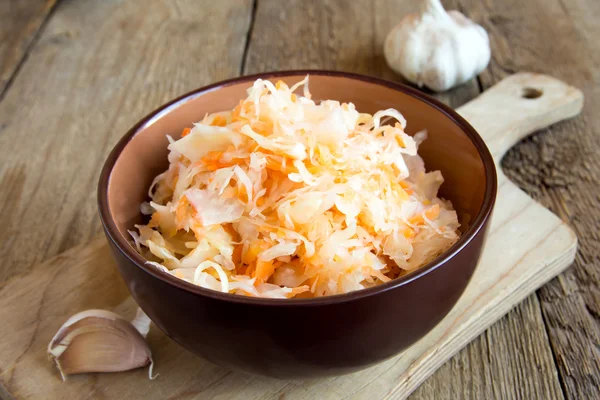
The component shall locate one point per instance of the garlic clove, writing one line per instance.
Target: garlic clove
(99, 341)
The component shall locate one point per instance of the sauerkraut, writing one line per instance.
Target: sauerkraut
(285, 197)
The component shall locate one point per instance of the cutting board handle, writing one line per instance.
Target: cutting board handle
(519, 105)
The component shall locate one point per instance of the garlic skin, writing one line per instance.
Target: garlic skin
(141, 322)
(100, 341)
(437, 49)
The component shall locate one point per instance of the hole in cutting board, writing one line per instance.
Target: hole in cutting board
(531, 93)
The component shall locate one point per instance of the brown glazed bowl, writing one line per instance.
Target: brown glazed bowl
(296, 338)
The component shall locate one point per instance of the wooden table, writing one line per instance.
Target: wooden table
(76, 74)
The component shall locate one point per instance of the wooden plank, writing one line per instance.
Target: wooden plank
(98, 67)
(503, 363)
(83, 278)
(349, 36)
(21, 23)
(559, 167)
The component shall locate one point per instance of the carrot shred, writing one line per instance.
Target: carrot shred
(219, 120)
(264, 270)
(298, 290)
(183, 206)
(416, 220)
(433, 212)
(154, 220)
(404, 195)
(252, 252)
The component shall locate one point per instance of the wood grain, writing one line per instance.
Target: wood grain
(516, 261)
(21, 24)
(506, 362)
(98, 67)
(104, 64)
(559, 167)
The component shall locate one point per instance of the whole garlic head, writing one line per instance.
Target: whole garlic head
(436, 48)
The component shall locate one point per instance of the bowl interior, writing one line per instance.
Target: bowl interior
(448, 147)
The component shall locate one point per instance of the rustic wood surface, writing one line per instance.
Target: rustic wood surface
(21, 22)
(95, 67)
(502, 280)
(559, 167)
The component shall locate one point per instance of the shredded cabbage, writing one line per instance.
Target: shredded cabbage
(285, 197)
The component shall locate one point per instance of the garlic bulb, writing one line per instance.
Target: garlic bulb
(436, 48)
(101, 341)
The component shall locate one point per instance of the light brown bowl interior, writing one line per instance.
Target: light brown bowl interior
(447, 148)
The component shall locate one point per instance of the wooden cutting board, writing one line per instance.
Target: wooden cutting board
(527, 246)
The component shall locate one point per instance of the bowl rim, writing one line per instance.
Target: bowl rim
(129, 252)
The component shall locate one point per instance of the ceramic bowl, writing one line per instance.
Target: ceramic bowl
(297, 338)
